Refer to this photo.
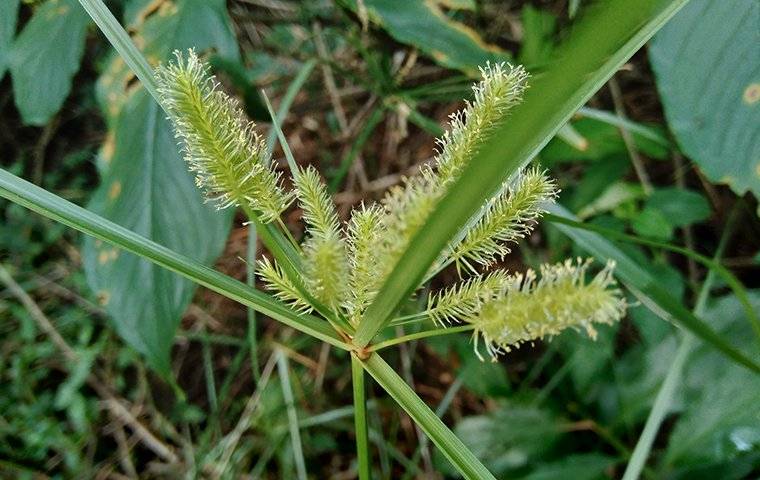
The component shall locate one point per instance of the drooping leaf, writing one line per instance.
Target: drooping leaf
(679, 206)
(424, 25)
(705, 62)
(720, 422)
(8, 18)
(512, 437)
(44, 58)
(145, 184)
(585, 466)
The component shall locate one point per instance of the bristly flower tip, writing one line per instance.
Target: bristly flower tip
(532, 308)
(222, 149)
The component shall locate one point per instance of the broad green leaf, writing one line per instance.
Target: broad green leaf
(424, 25)
(8, 18)
(609, 33)
(44, 58)
(652, 223)
(720, 421)
(585, 466)
(511, 437)
(680, 206)
(60, 210)
(145, 185)
(705, 62)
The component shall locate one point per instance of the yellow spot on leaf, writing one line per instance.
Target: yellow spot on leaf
(108, 148)
(104, 297)
(751, 94)
(103, 257)
(115, 190)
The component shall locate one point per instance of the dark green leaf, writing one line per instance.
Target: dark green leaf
(679, 206)
(720, 420)
(708, 76)
(44, 58)
(424, 25)
(588, 466)
(511, 437)
(8, 18)
(652, 223)
(145, 185)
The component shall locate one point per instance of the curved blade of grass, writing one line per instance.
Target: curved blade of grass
(665, 395)
(562, 217)
(56, 208)
(646, 288)
(453, 448)
(607, 36)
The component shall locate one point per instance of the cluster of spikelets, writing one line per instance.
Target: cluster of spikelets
(344, 266)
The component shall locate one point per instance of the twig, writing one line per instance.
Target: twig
(327, 73)
(630, 145)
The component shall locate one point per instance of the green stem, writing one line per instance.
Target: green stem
(453, 449)
(423, 334)
(360, 419)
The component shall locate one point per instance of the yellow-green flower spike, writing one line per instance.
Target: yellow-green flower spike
(531, 309)
(284, 289)
(364, 232)
(220, 146)
(464, 301)
(408, 206)
(325, 260)
(501, 88)
(508, 218)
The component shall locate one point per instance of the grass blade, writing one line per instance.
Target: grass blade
(609, 34)
(646, 288)
(56, 208)
(667, 390)
(295, 432)
(453, 448)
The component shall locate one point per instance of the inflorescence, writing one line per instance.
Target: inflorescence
(345, 265)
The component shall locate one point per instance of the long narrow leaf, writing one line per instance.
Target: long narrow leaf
(609, 34)
(56, 208)
(453, 448)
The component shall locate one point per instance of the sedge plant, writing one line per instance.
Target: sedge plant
(342, 265)
(345, 280)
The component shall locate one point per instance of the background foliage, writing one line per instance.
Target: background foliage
(647, 157)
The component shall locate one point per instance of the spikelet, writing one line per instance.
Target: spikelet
(408, 206)
(500, 89)
(325, 262)
(364, 232)
(508, 218)
(532, 309)
(463, 301)
(221, 147)
(283, 288)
